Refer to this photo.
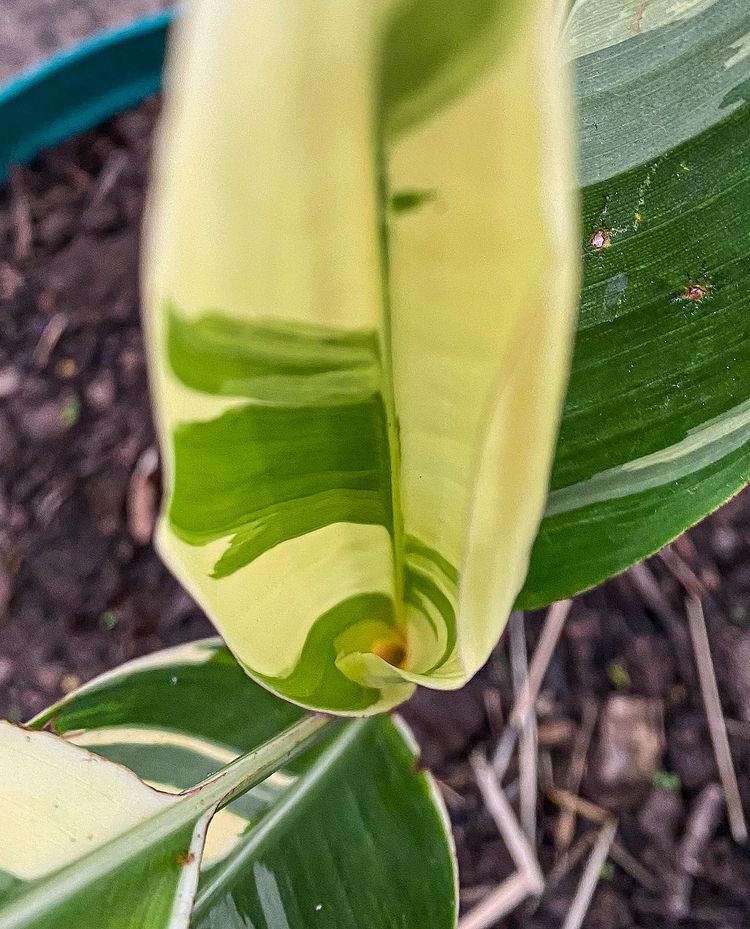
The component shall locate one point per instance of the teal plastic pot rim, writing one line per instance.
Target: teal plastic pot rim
(79, 87)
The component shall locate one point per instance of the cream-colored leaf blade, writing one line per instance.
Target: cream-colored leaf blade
(483, 296)
(60, 803)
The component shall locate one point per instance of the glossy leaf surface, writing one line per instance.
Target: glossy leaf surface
(86, 841)
(360, 290)
(350, 833)
(656, 425)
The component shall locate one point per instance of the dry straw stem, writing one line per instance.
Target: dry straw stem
(528, 879)
(527, 749)
(622, 857)
(524, 702)
(498, 903)
(647, 586)
(702, 821)
(566, 822)
(590, 876)
(585, 808)
(569, 860)
(716, 725)
(683, 572)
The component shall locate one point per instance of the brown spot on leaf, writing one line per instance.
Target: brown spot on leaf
(600, 240)
(635, 26)
(695, 292)
(185, 858)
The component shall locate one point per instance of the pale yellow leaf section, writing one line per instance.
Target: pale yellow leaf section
(59, 802)
(226, 828)
(267, 204)
(484, 292)
(291, 586)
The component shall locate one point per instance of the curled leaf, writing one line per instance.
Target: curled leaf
(361, 287)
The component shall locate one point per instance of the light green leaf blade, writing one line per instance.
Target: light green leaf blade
(360, 327)
(656, 427)
(88, 840)
(351, 833)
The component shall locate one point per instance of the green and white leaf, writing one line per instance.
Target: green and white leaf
(656, 428)
(350, 833)
(58, 802)
(85, 840)
(361, 282)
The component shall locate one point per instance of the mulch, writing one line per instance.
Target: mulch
(81, 589)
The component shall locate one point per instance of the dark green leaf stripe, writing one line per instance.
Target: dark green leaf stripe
(434, 49)
(197, 701)
(656, 428)
(279, 362)
(9, 886)
(272, 473)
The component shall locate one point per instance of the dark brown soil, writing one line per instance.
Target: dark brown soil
(81, 589)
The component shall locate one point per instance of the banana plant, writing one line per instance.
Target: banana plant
(361, 282)
(361, 265)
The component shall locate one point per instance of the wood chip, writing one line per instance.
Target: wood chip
(142, 497)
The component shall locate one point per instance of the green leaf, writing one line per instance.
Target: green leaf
(351, 833)
(360, 296)
(86, 837)
(656, 425)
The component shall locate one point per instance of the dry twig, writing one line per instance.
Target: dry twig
(647, 586)
(566, 822)
(702, 822)
(497, 904)
(528, 879)
(568, 860)
(48, 339)
(716, 725)
(590, 876)
(527, 749)
(585, 808)
(21, 213)
(524, 703)
(683, 572)
(630, 864)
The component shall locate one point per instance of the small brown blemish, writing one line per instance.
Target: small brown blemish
(185, 858)
(390, 650)
(600, 240)
(695, 292)
(635, 26)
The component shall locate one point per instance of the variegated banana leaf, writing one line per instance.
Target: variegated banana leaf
(349, 834)
(360, 286)
(656, 428)
(86, 843)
